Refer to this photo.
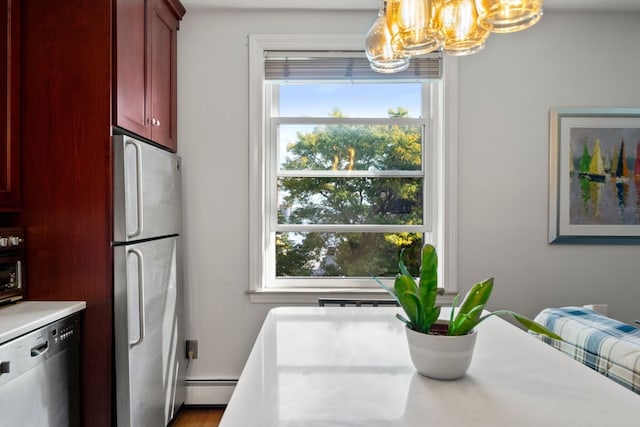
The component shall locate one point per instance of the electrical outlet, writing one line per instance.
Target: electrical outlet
(192, 349)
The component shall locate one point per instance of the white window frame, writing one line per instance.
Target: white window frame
(441, 130)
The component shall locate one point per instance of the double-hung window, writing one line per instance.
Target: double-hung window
(348, 166)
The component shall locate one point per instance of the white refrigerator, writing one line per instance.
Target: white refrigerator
(150, 357)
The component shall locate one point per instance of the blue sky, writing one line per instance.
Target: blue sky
(355, 100)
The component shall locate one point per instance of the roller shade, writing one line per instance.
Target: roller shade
(325, 66)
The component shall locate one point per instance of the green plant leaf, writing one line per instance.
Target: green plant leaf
(427, 288)
(535, 326)
(524, 321)
(429, 277)
(402, 266)
(453, 309)
(403, 319)
(385, 287)
(430, 318)
(478, 295)
(465, 322)
(405, 290)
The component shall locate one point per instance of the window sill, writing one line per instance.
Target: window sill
(311, 295)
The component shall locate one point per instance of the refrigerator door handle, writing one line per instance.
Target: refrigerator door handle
(140, 284)
(139, 204)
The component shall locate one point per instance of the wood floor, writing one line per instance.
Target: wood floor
(198, 417)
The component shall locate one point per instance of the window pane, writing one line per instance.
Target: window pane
(350, 201)
(353, 100)
(350, 147)
(345, 254)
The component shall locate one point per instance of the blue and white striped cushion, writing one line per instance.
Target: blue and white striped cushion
(604, 344)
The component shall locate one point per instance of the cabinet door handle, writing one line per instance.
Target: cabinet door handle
(154, 121)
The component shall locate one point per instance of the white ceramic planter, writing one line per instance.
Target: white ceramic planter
(440, 356)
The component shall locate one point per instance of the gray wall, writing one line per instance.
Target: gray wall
(506, 91)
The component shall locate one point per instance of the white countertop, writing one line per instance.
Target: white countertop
(25, 316)
(339, 367)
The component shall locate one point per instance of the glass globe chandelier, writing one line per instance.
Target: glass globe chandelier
(406, 28)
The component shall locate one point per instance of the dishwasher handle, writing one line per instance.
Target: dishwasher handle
(40, 349)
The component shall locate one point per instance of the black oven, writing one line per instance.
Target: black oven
(12, 255)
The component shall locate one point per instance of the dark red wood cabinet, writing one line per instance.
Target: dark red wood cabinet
(71, 82)
(146, 67)
(9, 108)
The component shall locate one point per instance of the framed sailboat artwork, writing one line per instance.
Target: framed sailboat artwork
(594, 175)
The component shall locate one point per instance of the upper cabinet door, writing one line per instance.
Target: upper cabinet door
(146, 68)
(9, 120)
(164, 66)
(132, 106)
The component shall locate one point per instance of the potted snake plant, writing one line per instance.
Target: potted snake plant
(443, 349)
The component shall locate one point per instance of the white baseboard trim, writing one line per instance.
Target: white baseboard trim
(209, 392)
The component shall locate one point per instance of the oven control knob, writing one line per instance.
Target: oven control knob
(14, 240)
(4, 242)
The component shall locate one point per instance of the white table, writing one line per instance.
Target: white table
(337, 366)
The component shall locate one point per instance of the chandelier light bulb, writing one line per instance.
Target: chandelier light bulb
(462, 33)
(415, 25)
(379, 50)
(507, 16)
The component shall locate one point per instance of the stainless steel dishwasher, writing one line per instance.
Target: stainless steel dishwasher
(39, 377)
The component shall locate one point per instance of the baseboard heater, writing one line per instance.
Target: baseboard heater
(209, 392)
